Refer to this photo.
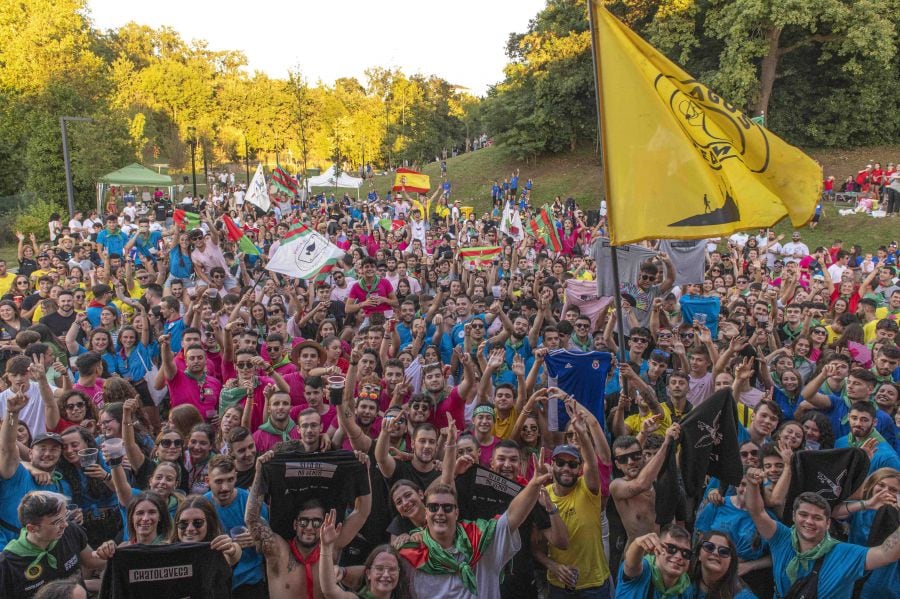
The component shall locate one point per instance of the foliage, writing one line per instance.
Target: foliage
(35, 215)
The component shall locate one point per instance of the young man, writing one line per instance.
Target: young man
(633, 493)
(27, 378)
(482, 430)
(60, 321)
(292, 566)
(858, 386)
(421, 469)
(192, 385)
(47, 548)
(242, 448)
(797, 549)
(655, 566)
(863, 433)
(371, 293)
(437, 569)
(279, 427)
(230, 502)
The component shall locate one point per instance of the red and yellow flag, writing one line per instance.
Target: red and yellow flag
(411, 181)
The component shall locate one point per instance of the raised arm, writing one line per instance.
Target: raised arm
(328, 535)
(755, 505)
(267, 542)
(132, 450)
(586, 445)
(811, 393)
(523, 503)
(9, 451)
(383, 457)
(167, 366)
(627, 489)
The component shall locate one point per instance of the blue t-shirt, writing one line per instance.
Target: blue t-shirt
(788, 407)
(885, 581)
(136, 364)
(12, 490)
(581, 374)
(640, 586)
(885, 456)
(710, 306)
(180, 265)
(175, 330)
(144, 245)
(738, 524)
(250, 569)
(113, 242)
(842, 567)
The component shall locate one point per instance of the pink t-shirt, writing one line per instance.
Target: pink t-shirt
(210, 256)
(452, 404)
(183, 389)
(95, 391)
(265, 441)
(327, 418)
(486, 452)
(382, 288)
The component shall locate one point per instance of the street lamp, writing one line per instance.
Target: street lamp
(192, 132)
(70, 190)
(247, 158)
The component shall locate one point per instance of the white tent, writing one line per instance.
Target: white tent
(327, 179)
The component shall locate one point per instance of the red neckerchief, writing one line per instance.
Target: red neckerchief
(307, 563)
(95, 304)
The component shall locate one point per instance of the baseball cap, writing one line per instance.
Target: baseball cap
(47, 437)
(569, 450)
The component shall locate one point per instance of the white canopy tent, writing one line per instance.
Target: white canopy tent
(327, 179)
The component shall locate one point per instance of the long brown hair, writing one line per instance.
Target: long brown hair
(213, 526)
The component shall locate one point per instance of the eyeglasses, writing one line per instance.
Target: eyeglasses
(664, 335)
(720, 550)
(307, 522)
(634, 456)
(446, 507)
(673, 549)
(168, 443)
(197, 524)
(75, 406)
(750, 453)
(243, 365)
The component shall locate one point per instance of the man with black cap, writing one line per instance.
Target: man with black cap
(15, 479)
(575, 491)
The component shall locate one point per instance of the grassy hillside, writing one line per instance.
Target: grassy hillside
(579, 175)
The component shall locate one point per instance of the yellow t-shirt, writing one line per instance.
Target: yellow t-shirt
(636, 421)
(503, 427)
(6, 283)
(37, 275)
(580, 510)
(869, 330)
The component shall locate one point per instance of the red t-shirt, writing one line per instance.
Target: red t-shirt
(382, 287)
(453, 404)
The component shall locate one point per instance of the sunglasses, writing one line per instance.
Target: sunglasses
(196, 524)
(582, 325)
(167, 443)
(741, 282)
(307, 522)
(687, 335)
(243, 365)
(648, 277)
(75, 406)
(639, 340)
(819, 332)
(367, 395)
(673, 549)
(448, 508)
(720, 550)
(419, 407)
(634, 456)
(664, 335)
(750, 453)
(570, 464)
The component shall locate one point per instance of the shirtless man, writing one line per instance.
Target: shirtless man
(634, 495)
(291, 564)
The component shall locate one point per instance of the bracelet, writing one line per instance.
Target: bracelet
(108, 476)
(555, 510)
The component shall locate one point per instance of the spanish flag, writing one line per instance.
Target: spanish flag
(411, 180)
(681, 162)
(480, 255)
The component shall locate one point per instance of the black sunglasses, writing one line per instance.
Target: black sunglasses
(720, 550)
(167, 443)
(75, 406)
(751, 453)
(673, 549)
(197, 523)
(570, 464)
(634, 456)
(307, 522)
(446, 507)
(243, 365)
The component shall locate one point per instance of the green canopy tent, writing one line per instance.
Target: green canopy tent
(133, 175)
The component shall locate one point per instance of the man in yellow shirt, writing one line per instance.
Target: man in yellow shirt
(576, 493)
(6, 278)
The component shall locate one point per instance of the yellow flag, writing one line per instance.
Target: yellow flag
(681, 162)
(411, 180)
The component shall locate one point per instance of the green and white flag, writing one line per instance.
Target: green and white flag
(258, 191)
(305, 254)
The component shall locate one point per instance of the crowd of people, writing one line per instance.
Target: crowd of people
(421, 422)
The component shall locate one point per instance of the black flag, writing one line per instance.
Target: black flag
(190, 570)
(832, 473)
(335, 478)
(709, 444)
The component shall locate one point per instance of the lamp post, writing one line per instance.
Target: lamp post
(70, 190)
(247, 158)
(193, 141)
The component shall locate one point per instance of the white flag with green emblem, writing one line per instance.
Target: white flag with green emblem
(258, 192)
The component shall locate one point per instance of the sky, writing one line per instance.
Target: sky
(462, 41)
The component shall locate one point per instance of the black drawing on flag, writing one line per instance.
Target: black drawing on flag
(711, 434)
(728, 213)
(311, 252)
(833, 487)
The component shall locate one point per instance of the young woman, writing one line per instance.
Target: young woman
(384, 578)
(163, 482)
(196, 521)
(408, 499)
(817, 431)
(99, 340)
(792, 434)
(148, 520)
(714, 569)
(92, 489)
(74, 408)
(10, 325)
(230, 419)
(201, 443)
(136, 359)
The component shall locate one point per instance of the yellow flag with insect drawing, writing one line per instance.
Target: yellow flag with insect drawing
(682, 162)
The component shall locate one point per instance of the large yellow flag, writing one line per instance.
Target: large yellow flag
(681, 162)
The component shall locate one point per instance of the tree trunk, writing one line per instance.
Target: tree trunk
(768, 70)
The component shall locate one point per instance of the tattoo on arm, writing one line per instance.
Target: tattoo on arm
(266, 541)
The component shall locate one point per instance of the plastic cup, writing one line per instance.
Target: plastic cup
(88, 457)
(336, 382)
(700, 319)
(114, 448)
(236, 531)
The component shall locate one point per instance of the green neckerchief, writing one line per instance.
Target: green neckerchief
(805, 557)
(436, 397)
(365, 593)
(873, 434)
(515, 346)
(882, 379)
(680, 586)
(369, 288)
(587, 345)
(201, 379)
(285, 360)
(285, 434)
(230, 396)
(441, 561)
(23, 548)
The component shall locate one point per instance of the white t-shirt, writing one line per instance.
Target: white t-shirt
(239, 197)
(793, 251)
(837, 272)
(75, 226)
(773, 253)
(341, 295)
(504, 545)
(739, 239)
(33, 412)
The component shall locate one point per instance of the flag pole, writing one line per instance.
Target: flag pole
(595, 53)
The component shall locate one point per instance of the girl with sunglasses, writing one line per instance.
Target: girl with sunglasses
(196, 521)
(714, 570)
(73, 408)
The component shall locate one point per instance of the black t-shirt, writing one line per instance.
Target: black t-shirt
(27, 266)
(19, 581)
(245, 478)
(31, 301)
(58, 325)
(405, 470)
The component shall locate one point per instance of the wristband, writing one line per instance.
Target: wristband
(555, 510)
(113, 462)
